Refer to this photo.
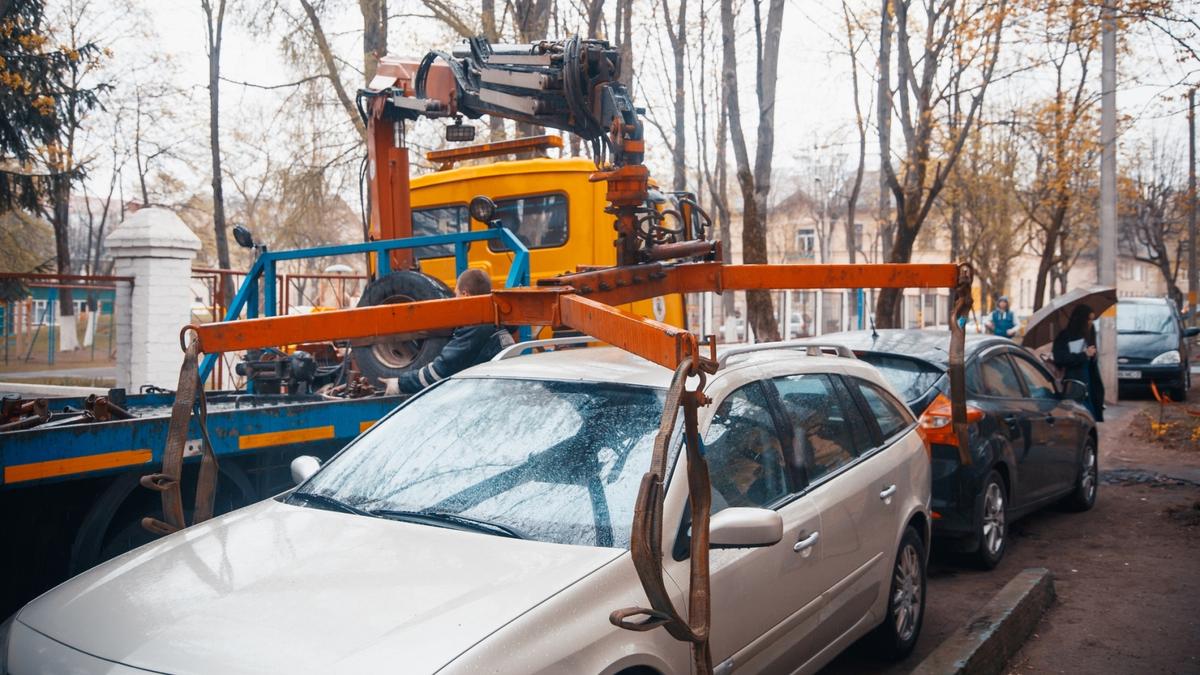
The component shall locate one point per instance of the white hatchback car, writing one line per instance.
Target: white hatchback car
(484, 525)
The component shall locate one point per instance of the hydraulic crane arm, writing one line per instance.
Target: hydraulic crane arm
(571, 85)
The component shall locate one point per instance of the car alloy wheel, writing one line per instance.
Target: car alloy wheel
(906, 592)
(897, 634)
(993, 519)
(1088, 482)
(1087, 485)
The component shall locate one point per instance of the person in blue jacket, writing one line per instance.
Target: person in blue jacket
(468, 345)
(1002, 321)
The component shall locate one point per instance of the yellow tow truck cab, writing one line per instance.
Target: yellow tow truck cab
(549, 204)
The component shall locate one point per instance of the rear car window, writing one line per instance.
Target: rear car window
(821, 427)
(539, 222)
(745, 457)
(910, 378)
(891, 415)
(438, 220)
(999, 379)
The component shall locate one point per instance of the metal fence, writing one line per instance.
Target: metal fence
(41, 341)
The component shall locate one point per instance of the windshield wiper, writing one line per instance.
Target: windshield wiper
(327, 501)
(443, 517)
(1137, 332)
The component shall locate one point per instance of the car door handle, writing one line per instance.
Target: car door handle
(887, 492)
(806, 543)
(1010, 419)
(1050, 419)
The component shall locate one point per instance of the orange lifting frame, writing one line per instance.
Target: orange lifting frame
(580, 301)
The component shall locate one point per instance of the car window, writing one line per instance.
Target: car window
(559, 462)
(999, 379)
(539, 222)
(891, 415)
(438, 220)
(1039, 385)
(821, 428)
(745, 457)
(909, 377)
(973, 380)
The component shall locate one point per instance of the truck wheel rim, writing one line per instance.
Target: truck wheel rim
(993, 519)
(396, 353)
(906, 594)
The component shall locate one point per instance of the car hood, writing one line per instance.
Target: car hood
(1145, 345)
(282, 588)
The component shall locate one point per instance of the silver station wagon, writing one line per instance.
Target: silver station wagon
(484, 526)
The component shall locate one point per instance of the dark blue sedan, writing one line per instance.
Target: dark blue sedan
(1032, 443)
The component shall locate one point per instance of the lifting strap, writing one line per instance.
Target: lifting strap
(188, 396)
(646, 537)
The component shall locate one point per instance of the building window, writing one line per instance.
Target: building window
(806, 243)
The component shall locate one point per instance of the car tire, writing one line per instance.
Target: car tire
(1087, 483)
(896, 636)
(1179, 394)
(993, 522)
(390, 358)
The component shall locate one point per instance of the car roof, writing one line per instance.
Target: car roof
(609, 364)
(928, 345)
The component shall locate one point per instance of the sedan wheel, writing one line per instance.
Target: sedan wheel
(993, 531)
(1088, 482)
(897, 635)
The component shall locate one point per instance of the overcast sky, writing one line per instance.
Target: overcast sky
(814, 113)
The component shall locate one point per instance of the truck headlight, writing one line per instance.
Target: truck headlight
(1166, 358)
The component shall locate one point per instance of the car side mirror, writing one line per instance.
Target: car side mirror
(745, 527)
(1074, 390)
(1191, 332)
(303, 467)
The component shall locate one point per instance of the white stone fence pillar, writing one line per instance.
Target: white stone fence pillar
(156, 248)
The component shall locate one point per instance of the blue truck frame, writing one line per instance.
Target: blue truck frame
(81, 479)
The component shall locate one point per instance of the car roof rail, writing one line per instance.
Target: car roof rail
(520, 348)
(807, 348)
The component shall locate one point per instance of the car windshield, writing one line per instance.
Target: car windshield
(909, 377)
(551, 461)
(1144, 318)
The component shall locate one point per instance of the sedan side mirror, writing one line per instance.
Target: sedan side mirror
(1191, 332)
(303, 467)
(745, 527)
(1074, 390)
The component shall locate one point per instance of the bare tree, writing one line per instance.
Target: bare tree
(925, 75)
(214, 28)
(677, 37)
(755, 184)
(860, 127)
(1152, 224)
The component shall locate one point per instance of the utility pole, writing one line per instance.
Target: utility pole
(1106, 272)
(1193, 273)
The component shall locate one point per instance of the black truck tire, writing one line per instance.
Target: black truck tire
(388, 358)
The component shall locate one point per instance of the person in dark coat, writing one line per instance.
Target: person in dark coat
(468, 345)
(1075, 352)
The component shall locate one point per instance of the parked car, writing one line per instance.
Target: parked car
(485, 525)
(1152, 346)
(1032, 442)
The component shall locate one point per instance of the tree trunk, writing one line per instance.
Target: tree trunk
(677, 33)
(760, 313)
(375, 16)
(215, 29)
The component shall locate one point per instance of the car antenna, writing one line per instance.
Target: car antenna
(874, 333)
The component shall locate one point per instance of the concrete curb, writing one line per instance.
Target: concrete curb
(984, 645)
